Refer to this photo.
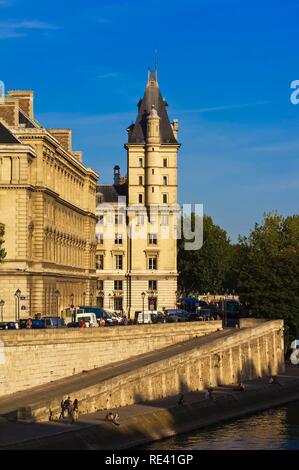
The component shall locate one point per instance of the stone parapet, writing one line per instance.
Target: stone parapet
(35, 357)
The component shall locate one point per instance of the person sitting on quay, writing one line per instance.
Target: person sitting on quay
(239, 388)
(273, 380)
(208, 394)
(112, 418)
(109, 416)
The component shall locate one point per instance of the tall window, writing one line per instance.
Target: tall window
(165, 162)
(118, 303)
(164, 180)
(118, 219)
(118, 284)
(99, 261)
(152, 284)
(101, 219)
(100, 301)
(118, 262)
(100, 284)
(140, 198)
(118, 239)
(153, 171)
(152, 238)
(140, 180)
(100, 238)
(164, 219)
(140, 219)
(151, 217)
(164, 198)
(153, 189)
(152, 262)
(141, 162)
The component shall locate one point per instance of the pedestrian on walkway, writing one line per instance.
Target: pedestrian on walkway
(63, 409)
(75, 412)
(181, 400)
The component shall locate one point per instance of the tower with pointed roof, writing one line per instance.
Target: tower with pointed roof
(137, 268)
(152, 151)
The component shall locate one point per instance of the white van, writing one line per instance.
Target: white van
(90, 319)
(146, 316)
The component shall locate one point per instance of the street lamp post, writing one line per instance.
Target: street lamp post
(57, 294)
(17, 296)
(91, 299)
(143, 297)
(72, 307)
(1, 306)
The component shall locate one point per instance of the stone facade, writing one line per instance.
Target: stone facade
(47, 205)
(140, 228)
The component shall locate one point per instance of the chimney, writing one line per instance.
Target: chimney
(116, 174)
(25, 98)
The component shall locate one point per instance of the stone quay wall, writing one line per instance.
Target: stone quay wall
(29, 358)
(242, 355)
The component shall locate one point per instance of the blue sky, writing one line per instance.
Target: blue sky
(224, 67)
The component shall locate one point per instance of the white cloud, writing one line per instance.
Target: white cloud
(108, 75)
(13, 29)
(225, 107)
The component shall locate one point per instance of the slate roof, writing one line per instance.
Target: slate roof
(6, 137)
(152, 96)
(112, 192)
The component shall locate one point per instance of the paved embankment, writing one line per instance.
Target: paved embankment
(152, 421)
(45, 397)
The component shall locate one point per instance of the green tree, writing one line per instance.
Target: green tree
(2, 251)
(203, 270)
(268, 279)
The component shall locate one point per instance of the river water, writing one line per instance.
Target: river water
(277, 428)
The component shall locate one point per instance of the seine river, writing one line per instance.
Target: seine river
(273, 429)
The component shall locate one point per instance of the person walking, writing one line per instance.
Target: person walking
(75, 412)
(62, 406)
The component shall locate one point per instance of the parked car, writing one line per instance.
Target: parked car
(159, 318)
(73, 324)
(12, 325)
(110, 316)
(176, 315)
(38, 324)
(23, 323)
(89, 319)
(200, 315)
(2, 326)
(148, 316)
(54, 322)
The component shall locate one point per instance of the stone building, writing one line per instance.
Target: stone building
(137, 215)
(47, 206)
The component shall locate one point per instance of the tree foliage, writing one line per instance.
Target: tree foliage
(203, 270)
(268, 280)
(262, 268)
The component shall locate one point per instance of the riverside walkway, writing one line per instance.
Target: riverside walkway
(43, 394)
(147, 422)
